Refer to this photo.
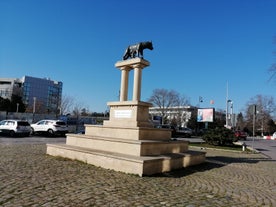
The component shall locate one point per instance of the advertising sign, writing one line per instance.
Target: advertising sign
(205, 115)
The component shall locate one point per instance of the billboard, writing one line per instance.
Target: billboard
(205, 115)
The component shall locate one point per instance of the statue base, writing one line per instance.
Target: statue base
(128, 143)
(129, 114)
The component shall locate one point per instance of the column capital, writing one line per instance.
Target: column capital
(133, 63)
(125, 68)
(138, 66)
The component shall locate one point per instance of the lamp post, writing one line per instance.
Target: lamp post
(227, 111)
(200, 100)
(254, 118)
(34, 108)
(17, 106)
(231, 113)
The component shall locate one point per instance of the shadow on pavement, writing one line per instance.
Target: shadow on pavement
(189, 170)
(211, 163)
(261, 150)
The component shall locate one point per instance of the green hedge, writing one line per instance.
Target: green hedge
(219, 136)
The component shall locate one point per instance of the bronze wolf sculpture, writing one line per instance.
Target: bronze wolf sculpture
(137, 49)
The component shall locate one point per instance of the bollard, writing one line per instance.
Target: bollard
(243, 146)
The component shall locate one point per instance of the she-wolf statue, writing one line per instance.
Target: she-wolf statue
(137, 49)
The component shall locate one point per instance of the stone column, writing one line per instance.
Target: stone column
(137, 82)
(136, 64)
(124, 83)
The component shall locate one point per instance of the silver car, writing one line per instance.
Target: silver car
(15, 127)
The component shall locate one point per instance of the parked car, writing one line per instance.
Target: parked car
(184, 132)
(274, 135)
(51, 127)
(15, 127)
(167, 126)
(240, 135)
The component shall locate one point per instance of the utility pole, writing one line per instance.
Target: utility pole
(232, 114)
(254, 119)
(226, 117)
(254, 108)
(34, 103)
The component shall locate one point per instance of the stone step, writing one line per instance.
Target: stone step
(123, 132)
(141, 165)
(128, 146)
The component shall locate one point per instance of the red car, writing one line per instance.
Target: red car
(241, 135)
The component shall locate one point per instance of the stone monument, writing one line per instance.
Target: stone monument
(128, 142)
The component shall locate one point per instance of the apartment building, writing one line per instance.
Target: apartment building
(43, 91)
(9, 86)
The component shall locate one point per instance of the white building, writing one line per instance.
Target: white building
(180, 114)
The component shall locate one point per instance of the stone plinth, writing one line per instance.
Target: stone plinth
(129, 114)
(128, 142)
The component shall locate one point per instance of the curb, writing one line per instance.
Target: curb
(269, 138)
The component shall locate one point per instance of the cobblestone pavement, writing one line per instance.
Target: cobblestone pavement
(29, 177)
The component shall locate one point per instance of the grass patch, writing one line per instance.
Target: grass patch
(229, 147)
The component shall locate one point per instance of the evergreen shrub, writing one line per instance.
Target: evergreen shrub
(219, 136)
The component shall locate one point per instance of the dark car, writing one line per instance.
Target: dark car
(166, 126)
(184, 132)
(240, 135)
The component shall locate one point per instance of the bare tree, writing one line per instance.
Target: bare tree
(84, 112)
(67, 103)
(166, 99)
(80, 110)
(77, 110)
(70, 105)
(264, 108)
(240, 125)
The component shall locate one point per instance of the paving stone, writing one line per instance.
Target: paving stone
(29, 177)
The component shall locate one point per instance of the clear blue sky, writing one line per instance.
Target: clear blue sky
(199, 46)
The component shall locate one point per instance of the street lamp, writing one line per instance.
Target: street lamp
(232, 114)
(227, 111)
(200, 100)
(34, 108)
(34, 105)
(254, 118)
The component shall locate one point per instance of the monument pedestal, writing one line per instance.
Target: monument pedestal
(128, 142)
(129, 114)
